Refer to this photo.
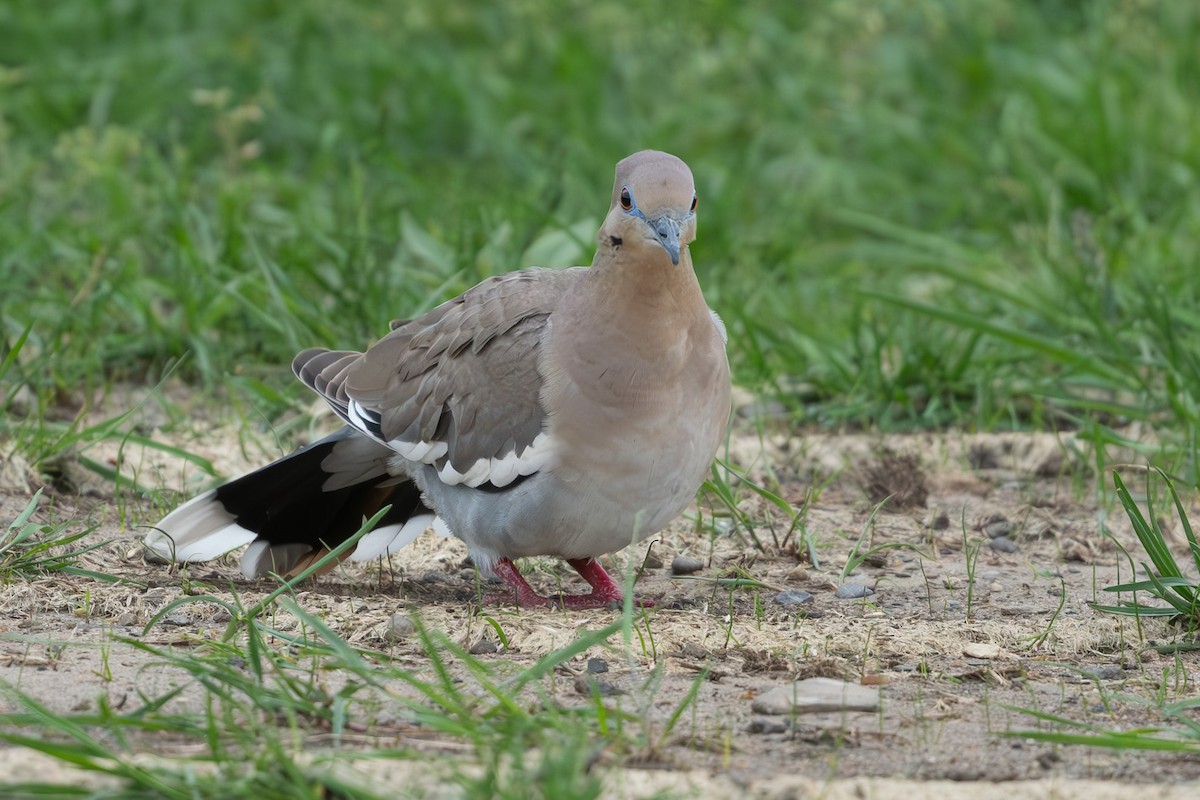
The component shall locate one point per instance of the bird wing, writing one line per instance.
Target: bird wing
(457, 388)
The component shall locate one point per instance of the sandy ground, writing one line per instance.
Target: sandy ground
(956, 633)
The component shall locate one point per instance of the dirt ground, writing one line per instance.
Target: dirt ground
(979, 606)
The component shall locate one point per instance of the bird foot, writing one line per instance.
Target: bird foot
(605, 592)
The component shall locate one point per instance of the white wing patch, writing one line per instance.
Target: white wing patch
(499, 471)
(199, 530)
(362, 418)
(505, 470)
(390, 538)
(424, 452)
(502, 471)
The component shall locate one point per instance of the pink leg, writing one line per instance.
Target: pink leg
(605, 591)
(507, 571)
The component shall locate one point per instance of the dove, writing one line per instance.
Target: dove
(545, 412)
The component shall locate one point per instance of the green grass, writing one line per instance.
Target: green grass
(281, 710)
(1179, 732)
(1176, 592)
(29, 550)
(1169, 714)
(282, 706)
(938, 213)
(921, 214)
(1165, 579)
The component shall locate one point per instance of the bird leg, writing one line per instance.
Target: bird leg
(605, 592)
(507, 571)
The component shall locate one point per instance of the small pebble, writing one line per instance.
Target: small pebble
(482, 648)
(1075, 551)
(652, 561)
(789, 598)
(997, 527)
(984, 650)
(1103, 672)
(176, 619)
(797, 575)
(597, 665)
(585, 685)
(686, 565)
(814, 695)
(877, 560)
(1003, 544)
(399, 627)
(848, 591)
(768, 725)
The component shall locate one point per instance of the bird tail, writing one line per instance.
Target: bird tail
(294, 510)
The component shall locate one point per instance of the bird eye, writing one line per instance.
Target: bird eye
(626, 199)
(695, 200)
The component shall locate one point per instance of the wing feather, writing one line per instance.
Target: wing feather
(459, 387)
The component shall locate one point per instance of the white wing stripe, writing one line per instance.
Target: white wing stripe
(504, 470)
(199, 530)
(500, 471)
(364, 419)
(390, 538)
(423, 452)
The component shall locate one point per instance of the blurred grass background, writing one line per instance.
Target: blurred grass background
(914, 213)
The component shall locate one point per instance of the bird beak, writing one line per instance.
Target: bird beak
(667, 231)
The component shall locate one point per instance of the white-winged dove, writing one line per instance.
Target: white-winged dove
(546, 412)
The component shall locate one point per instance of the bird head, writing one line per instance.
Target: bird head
(653, 205)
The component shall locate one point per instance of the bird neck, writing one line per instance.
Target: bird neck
(632, 313)
(648, 288)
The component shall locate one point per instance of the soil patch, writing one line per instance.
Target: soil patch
(969, 603)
